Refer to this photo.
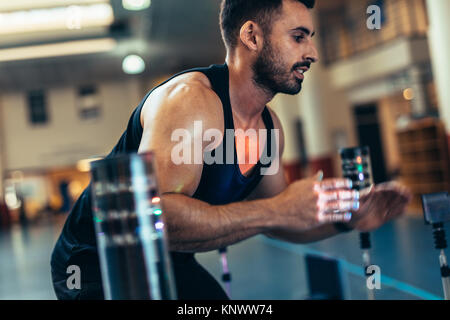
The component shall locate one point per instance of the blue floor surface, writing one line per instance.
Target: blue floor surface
(261, 268)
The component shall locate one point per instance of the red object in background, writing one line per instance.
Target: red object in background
(448, 139)
(5, 217)
(293, 171)
(325, 164)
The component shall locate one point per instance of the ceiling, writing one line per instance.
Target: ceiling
(170, 35)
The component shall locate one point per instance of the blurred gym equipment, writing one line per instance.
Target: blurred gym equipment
(130, 229)
(436, 209)
(356, 166)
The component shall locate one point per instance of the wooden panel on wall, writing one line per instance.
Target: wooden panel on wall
(344, 31)
(424, 159)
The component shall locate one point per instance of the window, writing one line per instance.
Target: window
(88, 103)
(37, 108)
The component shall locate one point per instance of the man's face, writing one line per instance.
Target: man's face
(288, 51)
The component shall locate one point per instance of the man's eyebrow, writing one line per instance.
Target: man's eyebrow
(305, 30)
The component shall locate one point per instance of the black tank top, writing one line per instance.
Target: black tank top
(219, 184)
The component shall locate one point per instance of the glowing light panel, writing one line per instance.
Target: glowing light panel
(136, 5)
(133, 64)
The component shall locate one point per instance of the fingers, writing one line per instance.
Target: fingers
(318, 176)
(325, 196)
(338, 206)
(405, 192)
(335, 205)
(334, 217)
(337, 211)
(389, 193)
(395, 187)
(333, 184)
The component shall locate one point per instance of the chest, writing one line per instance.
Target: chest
(249, 145)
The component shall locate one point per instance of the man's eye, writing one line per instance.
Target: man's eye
(299, 38)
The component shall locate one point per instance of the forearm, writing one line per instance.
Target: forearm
(211, 244)
(319, 233)
(194, 225)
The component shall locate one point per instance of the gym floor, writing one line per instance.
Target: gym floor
(261, 268)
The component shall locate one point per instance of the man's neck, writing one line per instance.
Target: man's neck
(248, 100)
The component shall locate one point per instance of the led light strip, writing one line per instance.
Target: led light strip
(17, 5)
(58, 49)
(72, 17)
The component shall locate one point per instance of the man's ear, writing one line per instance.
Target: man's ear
(251, 36)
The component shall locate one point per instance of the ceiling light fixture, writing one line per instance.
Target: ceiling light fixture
(133, 64)
(408, 94)
(71, 17)
(69, 48)
(136, 5)
(20, 5)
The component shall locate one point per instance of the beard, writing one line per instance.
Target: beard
(273, 75)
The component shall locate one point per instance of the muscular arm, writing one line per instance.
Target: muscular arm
(271, 186)
(194, 225)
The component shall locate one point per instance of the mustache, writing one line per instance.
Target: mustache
(302, 64)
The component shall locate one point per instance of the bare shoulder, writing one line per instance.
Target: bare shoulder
(188, 97)
(178, 105)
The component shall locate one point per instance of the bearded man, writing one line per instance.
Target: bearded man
(208, 206)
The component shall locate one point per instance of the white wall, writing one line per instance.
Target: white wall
(440, 51)
(287, 109)
(2, 152)
(66, 138)
(379, 63)
(332, 113)
(329, 93)
(325, 111)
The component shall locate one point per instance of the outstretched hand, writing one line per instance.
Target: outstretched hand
(380, 204)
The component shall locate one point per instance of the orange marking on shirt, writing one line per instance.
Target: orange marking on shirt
(247, 166)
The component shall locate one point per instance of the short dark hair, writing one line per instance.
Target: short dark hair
(234, 13)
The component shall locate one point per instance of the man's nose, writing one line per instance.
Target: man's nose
(312, 55)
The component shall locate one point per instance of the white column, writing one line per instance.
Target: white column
(286, 108)
(438, 13)
(2, 155)
(312, 105)
(418, 103)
